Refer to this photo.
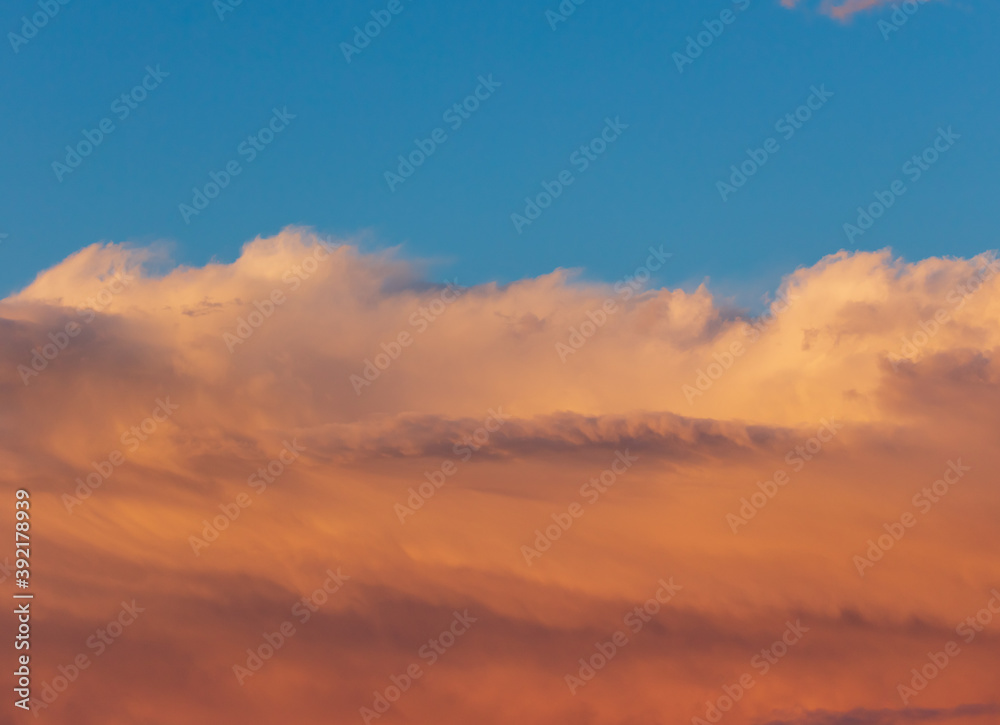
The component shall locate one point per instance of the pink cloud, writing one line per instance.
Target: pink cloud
(842, 10)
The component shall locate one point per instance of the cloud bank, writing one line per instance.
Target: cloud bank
(318, 456)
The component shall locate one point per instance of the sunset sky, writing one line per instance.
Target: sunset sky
(342, 447)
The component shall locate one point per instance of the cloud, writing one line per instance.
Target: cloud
(512, 403)
(843, 10)
(892, 717)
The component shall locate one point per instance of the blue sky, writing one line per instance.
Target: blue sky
(655, 184)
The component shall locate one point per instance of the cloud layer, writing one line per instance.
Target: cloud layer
(542, 457)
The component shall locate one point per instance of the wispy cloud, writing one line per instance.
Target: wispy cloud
(843, 9)
(862, 716)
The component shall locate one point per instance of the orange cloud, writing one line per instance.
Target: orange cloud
(843, 10)
(199, 444)
(849, 7)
